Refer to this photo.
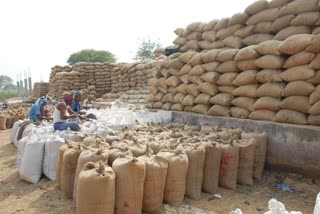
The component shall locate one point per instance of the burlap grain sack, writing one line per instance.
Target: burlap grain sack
(193, 44)
(177, 107)
(241, 113)
(196, 59)
(256, 39)
(263, 27)
(295, 44)
(188, 108)
(314, 120)
(275, 90)
(168, 98)
(175, 185)
(186, 57)
(210, 25)
(167, 106)
(315, 64)
(247, 53)
(307, 19)
(61, 151)
(201, 108)
(238, 18)
(188, 100)
(130, 174)
(178, 31)
(226, 32)
(246, 91)
(70, 160)
(211, 77)
(178, 98)
(211, 168)
(297, 73)
(316, 31)
(173, 81)
(197, 70)
(260, 152)
(268, 75)
(222, 23)
(159, 96)
(185, 69)
(298, 6)
(195, 79)
(211, 66)
(269, 48)
(227, 79)
(233, 42)
(296, 103)
(291, 31)
(210, 36)
(245, 31)
(262, 115)
(314, 47)
(176, 64)
(202, 99)
(219, 110)
(256, 7)
(226, 89)
(172, 71)
(96, 189)
(247, 149)
(267, 15)
(289, 116)
(298, 88)
(246, 65)
(158, 105)
(194, 36)
(281, 23)
(228, 67)
(204, 44)
(227, 55)
(245, 78)
(154, 182)
(301, 58)
(315, 95)
(192, 89)
(267, 103)
(229, 167)
(223, 99)
(216, 45)
(184, 79)
(208, 88)
(270, 62)
(278, 3)
(315, 109)
(244, 102)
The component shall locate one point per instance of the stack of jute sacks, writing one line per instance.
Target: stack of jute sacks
(261, 21)
(40, 89)
(275, 81)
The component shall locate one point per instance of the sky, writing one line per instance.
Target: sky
(35, 35)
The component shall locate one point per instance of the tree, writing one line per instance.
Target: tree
(10, 87)
(91, 55)
(146, 50)
(5, 80)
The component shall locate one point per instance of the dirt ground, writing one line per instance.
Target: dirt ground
(17, 196)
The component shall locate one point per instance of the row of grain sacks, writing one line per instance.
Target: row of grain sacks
(261, 21)
(274, 81)
(11, 115)
(40, 89)
(134, 171)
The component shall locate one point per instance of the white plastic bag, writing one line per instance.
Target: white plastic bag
(20, 149)
(237, 211)
(14, 131)
(317, 207)
(276, 207)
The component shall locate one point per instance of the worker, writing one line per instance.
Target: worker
(87, 103)
(49, 99)
(37, 111)
(75, 106)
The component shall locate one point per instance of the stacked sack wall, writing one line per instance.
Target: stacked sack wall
(40, 89)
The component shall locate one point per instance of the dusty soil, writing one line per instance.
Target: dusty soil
(17, 196)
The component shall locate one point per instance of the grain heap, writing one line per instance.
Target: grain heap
(40, 89)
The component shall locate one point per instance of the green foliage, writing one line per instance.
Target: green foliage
(5, 80)
(91, 55)
(10, 87)
(7, 94)
(146, 50)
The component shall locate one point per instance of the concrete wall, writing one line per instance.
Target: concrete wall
(293, 148)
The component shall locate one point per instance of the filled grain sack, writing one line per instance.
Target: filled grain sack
(246, 65)
(175, 64)
(299, 59)
(192, 89)
(210, 56)
(226, 89)
(245, 31)
(14, 130)
(298, 6)
(245, 78)
(228, 67)
(296, 103)
(211, 77)
(302, 72)
(157, 105)
(178, 98)
(216, 45)
(196, 59)
(244, 102)
(222, 23)
(3, 120)
(229, 166)
(223, 99)
(260, 152)
(239, 112)
(175, 185)
(197, 70)
(185, 69)
(228, 31)
(291, 31)
(130, 174)
(210, 25)
(177, 107)
(246, 91)
(219, 110)
(184, 79)
(202, 99)
(289, 116)
(256, 39)
(315, 64)
(298, 88)
(314, 120)
(61, 151)
(268, 75)
(263, 27)
(275, 90)
(210, 67)
(295, 44)
(256, 7)
(270, 62)
(210, 36)
(173, 81)
(315, 109)
(267, 103)
(233, 42)
(281, 23)
(269, 47)
(208, 88)
(188, 100)
(227, 55)
(185, 57)
(267, 15)
(278, 3)
(262, 115)
(96, 189)
(315, 96)
(227, 79)
(314, 47)
(238, 18)
(201, 108)
(247, 149)
(307, 19)
(247, 53)
(211, 168)
(168, 98)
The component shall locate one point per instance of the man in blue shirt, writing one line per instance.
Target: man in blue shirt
(37, 111)
(75, 106)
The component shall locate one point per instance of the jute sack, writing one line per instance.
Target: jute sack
(226, 89)
(3, 121)
(229, 166)
(244, 102)
(188, 100)
(228, 67)
(245, 31)
(263, 27)
(196, 59)
(316, 31)
(269, 47)
(298, 6)
(193, 44)
(211, 168)
(246, 91)
(208, 88)
(201, 108)
(228, 31)
(275, 90)
(278, 3)
(314, 47)
(167, 107)
(217, 45)
(202, 99)
(197, 70)
(204, 44)
(268, 15)
(154, 182)
(222, 23)
(173, 81)
(168, 98)
(296, 103)
(219, 110)
(238, 18)
(211, 77)
(177, 107)
(281, 23)
(314, 120)
(256, 7)
(130, 174)
(210, 25)
(295, 44)
(184, 79)
(211, 66)
(245, 78)
(307, 19)
(247, 53)
(289, 116)
(210, 36)
(227, 79)
(175, 185)
(302, 72)
(186, 57)
(267, 103)
(223, 99)
(233, 42)
(270, 62)
(175, 64)
(298, 88)
(268, 75)
(96, 189)
(210, 56)
(246, 65)
(188, 108)
(260, 152)
(262, 115)
(172, 71)
(315, 109)
(241, 113)
(192, 89)
(62, 149)
(315, 64)
(159, 96)
(298, 59)
(116, 152)
(196, 158)
(178, 98)
(157, 105)
(315, 96)
(227, 55)
(195, 79)
(247, 149)
(292, 30)
(256, 39)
